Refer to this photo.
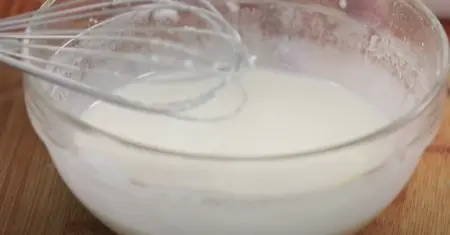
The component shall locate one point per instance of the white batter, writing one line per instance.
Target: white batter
(285, 114)
(140, 192)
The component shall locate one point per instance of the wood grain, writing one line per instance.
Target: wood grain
(34, 200)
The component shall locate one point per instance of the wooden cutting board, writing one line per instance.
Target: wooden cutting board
(34, 200)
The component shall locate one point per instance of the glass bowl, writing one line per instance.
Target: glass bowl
(163, 191)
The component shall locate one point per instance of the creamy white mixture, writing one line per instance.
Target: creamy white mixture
(138, 192)
(284, 114)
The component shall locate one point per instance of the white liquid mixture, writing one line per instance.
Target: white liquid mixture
(285, 114)
(138, 192)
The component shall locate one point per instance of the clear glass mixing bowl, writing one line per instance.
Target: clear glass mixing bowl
(402, 38)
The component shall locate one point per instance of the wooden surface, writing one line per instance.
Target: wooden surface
(34, 200)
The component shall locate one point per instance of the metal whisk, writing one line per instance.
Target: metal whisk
(173, 54)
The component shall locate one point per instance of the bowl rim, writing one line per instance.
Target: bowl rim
(367, 138)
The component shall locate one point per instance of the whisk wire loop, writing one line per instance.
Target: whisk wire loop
(160, 48)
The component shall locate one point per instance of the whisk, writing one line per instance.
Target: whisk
(74, 52)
